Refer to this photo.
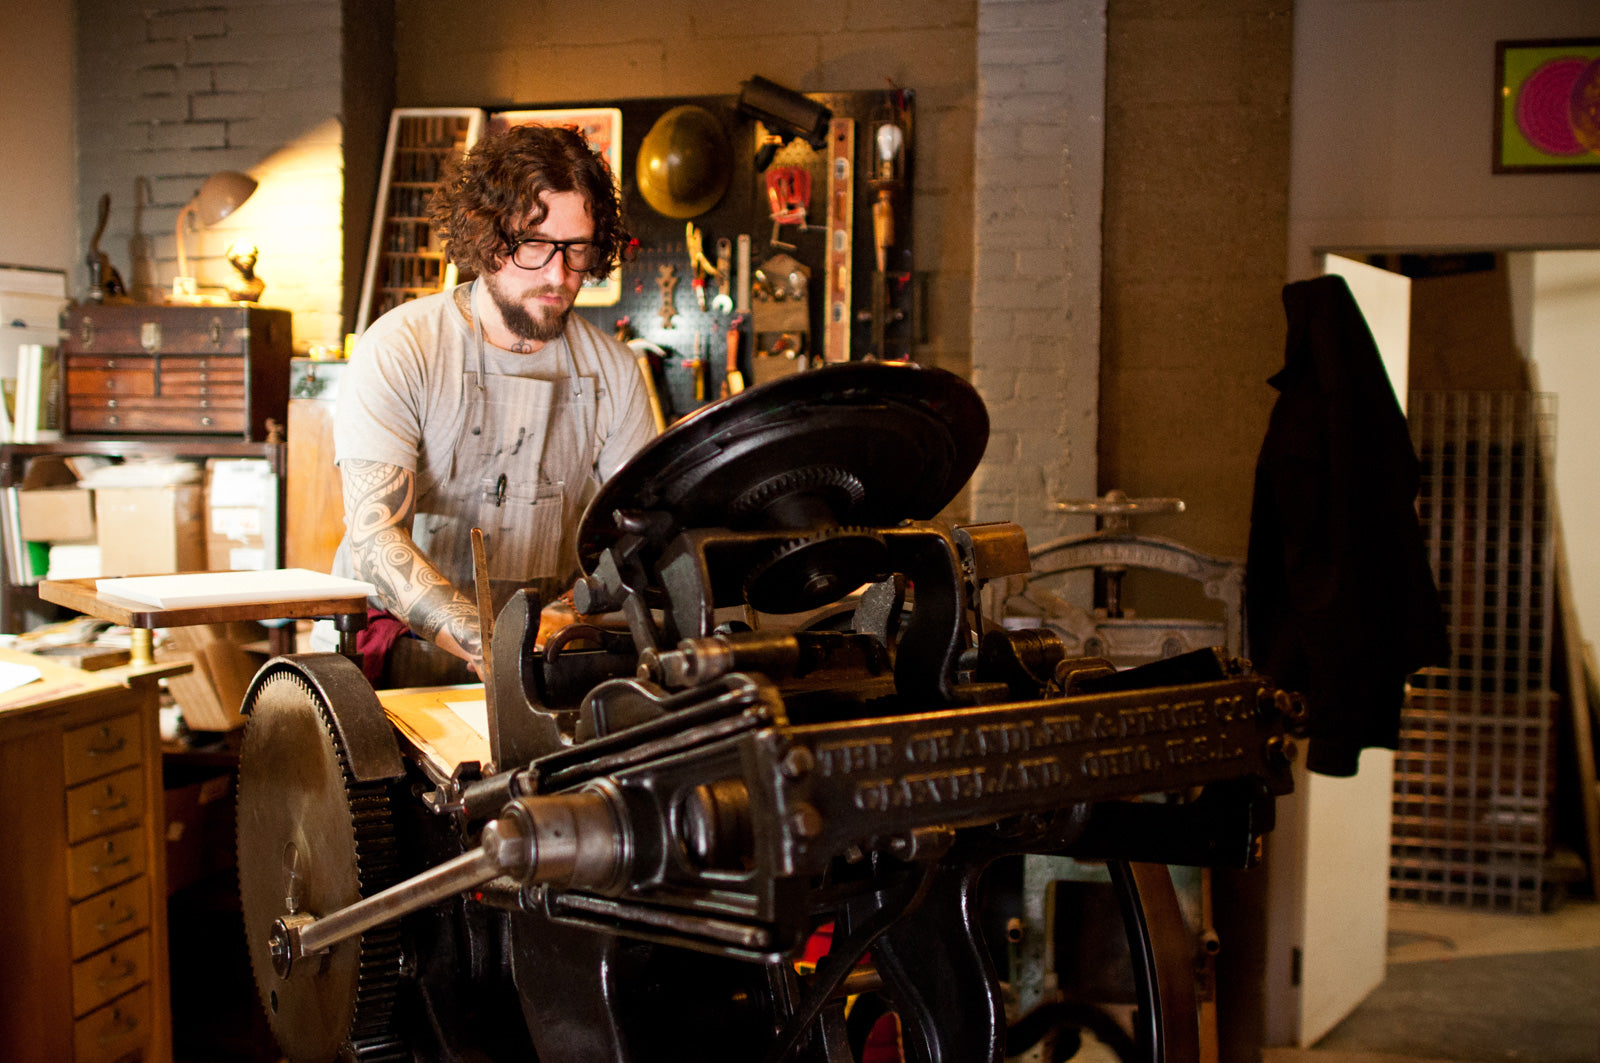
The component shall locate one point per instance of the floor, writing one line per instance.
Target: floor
(1558, 948)
(1537, 994)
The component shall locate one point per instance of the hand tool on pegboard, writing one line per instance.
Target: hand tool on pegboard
(723, 303)
(789, 197)
(703, 269)
(648, 356)
(841, 211)
(741, 294)
(733, 383)
(667, 285)
(697, 367)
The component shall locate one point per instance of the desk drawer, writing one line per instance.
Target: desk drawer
(116, 1031)
(118, 376)
(110, 973)
(220, 370)
(177, 389)
(134, 419)
(105, 805)
(110, 916)
(101, 748)
(101, 382)
(100, 862)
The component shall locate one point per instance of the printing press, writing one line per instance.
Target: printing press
(804, 723)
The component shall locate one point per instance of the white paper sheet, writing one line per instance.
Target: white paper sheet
(229, 588)
(14, 675)
(475, 713)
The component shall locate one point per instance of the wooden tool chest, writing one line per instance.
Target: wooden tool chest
(207, 370)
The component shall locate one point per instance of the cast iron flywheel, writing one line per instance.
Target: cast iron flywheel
(314, 839)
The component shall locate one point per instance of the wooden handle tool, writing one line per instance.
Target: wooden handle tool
(734, 383)
(485, 600)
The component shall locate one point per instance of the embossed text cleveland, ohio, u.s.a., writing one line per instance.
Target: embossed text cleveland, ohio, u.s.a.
(953, 764)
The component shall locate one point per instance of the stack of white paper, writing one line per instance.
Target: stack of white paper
(192, 589)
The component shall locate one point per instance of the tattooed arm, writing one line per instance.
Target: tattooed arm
(379, 502)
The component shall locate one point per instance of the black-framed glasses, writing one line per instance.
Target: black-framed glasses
(579, 255)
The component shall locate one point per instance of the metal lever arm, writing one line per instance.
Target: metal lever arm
(566, 839)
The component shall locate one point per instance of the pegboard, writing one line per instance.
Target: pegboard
(879, 320)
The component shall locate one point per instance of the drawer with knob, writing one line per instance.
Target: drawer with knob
(101, 748)
(115, 1031)
(110, 973)
(105, 861)
(110, 916)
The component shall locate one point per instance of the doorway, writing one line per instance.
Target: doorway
(1479, 322)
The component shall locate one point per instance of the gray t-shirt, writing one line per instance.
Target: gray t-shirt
(405, 399)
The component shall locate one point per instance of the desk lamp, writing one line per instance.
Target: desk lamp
(218, 197)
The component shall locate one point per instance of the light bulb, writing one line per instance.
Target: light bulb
(890, 139)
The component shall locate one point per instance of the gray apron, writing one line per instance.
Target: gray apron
(521, 471)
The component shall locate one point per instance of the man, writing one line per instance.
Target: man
(490, 405)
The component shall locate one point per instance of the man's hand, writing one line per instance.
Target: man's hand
(379, 503)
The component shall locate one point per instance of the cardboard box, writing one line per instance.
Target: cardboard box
(241, 501)
(56, 515)
(233, 540)
(51, 507)
(149, 531)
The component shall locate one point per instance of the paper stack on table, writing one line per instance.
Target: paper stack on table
(192, 589)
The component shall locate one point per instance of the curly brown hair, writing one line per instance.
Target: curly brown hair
(488, 193)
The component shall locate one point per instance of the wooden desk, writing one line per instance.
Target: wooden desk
(349, 614)
(83, 896)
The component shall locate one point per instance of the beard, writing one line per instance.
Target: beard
(548, 325)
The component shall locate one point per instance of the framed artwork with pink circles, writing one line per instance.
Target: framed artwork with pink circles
(1547, 105)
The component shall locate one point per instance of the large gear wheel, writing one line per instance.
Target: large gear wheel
(314, 839)
(808, 573)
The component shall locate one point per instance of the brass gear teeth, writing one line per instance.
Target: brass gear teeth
(371, 1037)
(808, 478)
(760, 570)
(842, 531)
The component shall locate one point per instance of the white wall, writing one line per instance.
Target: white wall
(1393, 135)
(1564, 346)
(39, 178)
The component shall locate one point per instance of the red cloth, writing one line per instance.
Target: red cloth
(375, 641)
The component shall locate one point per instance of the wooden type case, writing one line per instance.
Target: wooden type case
(204, 370)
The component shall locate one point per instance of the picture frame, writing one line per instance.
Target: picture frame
(1547, 106)
(602, 128)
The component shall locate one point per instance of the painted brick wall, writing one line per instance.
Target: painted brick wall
(1036, 287)
(169, 93)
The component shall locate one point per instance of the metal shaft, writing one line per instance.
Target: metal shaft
(570, 839)
(436, 884)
